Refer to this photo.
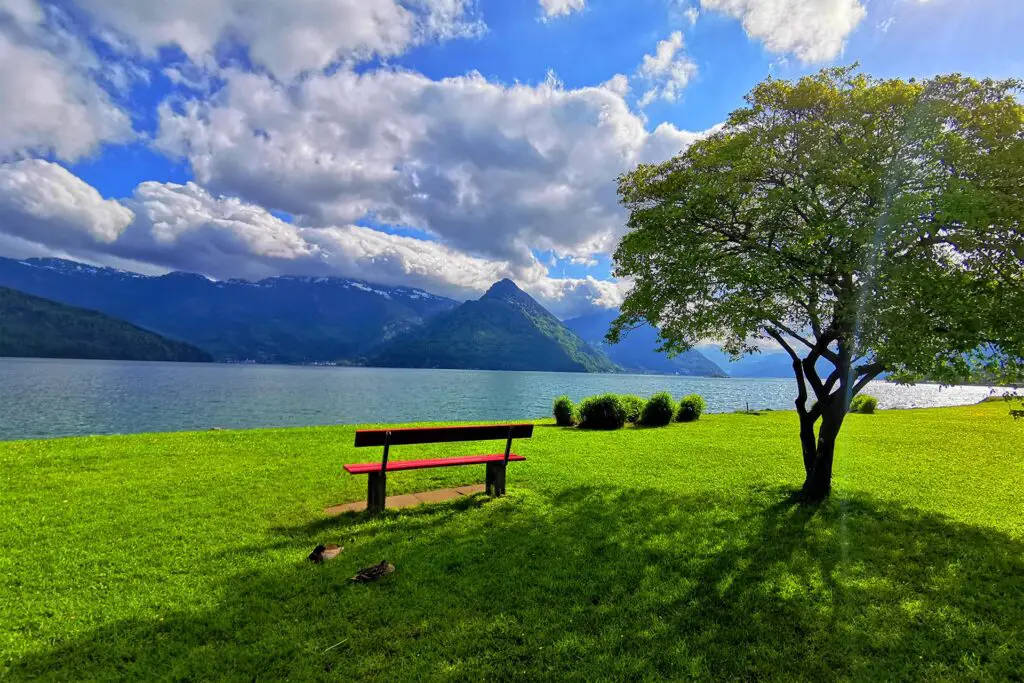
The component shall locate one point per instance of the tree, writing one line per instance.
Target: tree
(1016, 401)
(874, 224)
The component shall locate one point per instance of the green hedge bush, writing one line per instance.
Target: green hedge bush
(564, 411)
(690, 408)
(863, 403)
(658, 410)
(602, 412)
(634, 406)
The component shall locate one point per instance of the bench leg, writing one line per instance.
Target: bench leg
(495, 482)
(499, 478)
(376, 491)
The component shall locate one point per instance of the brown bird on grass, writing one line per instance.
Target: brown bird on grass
(367, 574)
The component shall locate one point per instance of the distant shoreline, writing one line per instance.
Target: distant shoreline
(325, 364)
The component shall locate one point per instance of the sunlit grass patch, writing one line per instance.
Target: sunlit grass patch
(668, 552)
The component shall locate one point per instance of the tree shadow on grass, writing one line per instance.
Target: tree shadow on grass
(604, 583)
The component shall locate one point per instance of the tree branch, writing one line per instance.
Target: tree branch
(801, 387)
(830, 383)
(873, 369)
(819, 348)
(812, 315)
(811, 373)
(863, 382)
(792, 333)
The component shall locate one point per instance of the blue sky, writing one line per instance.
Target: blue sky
(437, 143)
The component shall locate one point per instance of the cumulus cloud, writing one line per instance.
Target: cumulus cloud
(184, 227)
(668, 70)
(568, 297)
(43, 202)
(618, 84)
(50, 102)
(813, 30)
(489, 169)
(167, 226)
(490, 173)
(284, 36)
(560, 8)
(187, 228)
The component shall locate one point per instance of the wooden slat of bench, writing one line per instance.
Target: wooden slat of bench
(419, 435)
(396, 465)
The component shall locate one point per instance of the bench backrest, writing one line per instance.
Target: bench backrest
(415, 435)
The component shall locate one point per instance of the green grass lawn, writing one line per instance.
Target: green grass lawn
(641, 553)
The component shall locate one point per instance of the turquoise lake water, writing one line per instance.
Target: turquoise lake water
(48, 398)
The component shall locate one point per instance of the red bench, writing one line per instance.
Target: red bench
(496, 463)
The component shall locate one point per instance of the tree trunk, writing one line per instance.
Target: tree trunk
(818, 483)
(807, 442)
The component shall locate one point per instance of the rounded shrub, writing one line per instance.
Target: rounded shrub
(863, 403)
(602, 412)
(634, 406)
(564, 411)
(658, 410)
(690, 408)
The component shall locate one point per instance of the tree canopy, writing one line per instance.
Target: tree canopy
(876, 224)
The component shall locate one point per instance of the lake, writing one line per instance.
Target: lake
(48, 398)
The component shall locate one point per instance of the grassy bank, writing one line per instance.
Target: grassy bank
(667, 552)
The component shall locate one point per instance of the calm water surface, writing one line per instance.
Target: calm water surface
(47, 398)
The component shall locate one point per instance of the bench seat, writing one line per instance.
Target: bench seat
(396, 465)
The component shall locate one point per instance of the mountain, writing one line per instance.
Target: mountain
(279, 319)
(32, 327)
(764, 364)
(637, 350)
(504, 329)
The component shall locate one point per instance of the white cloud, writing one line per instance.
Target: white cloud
(185, 227)
(560, 8)
(196, 78)
(43, 202)
(668, 70)
(122, 75)
(489, 169)
(165, 226)
(568, 297)
(489, 172)
(285, 36)
(49, 100)
(392, 259)
(692, 15)
(813, 30)
(25, 12)
(618, 84)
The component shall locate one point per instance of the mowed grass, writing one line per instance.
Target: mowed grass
(643, 553)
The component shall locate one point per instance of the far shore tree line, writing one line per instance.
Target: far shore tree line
(874, 224)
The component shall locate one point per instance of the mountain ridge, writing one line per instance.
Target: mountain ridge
(35, 327)
(289, 319)
(637, 350)
(505, 329)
